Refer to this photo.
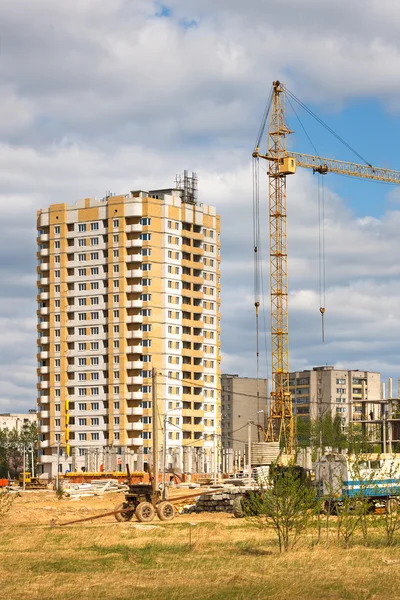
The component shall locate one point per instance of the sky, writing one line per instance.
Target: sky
(98, 95)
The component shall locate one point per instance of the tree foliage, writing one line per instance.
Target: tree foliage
(12, 444)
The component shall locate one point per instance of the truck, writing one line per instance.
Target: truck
(375, 477)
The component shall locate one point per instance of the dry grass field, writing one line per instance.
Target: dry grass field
(207, 556)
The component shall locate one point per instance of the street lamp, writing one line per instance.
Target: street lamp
(58, 460)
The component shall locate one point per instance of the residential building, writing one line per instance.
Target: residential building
(127, 284)
(17, 420)
(323, 390)
(243, 399)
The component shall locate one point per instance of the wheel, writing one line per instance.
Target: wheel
(123, 516)
(392, 505)
(145, 512)
(238, 511)
(165, 511)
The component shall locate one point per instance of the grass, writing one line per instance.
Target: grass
(225, 559)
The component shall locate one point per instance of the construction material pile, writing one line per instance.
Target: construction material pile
(221, 501)
(97, 487)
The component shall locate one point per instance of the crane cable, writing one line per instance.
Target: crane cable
(321, 251)
(256, 242)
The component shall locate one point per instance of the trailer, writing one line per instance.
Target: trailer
(371, 477)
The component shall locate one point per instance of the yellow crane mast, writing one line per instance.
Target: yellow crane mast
(282, 163)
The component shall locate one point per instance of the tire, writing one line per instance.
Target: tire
(166, 511)
(121, 517)
(392, 505)
(145, 512)
(238, 511)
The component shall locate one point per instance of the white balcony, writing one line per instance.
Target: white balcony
(46, 459)
(136, 288)
(134, 227)
(135, 334)
(134, 258)
(136, 243)
(134, 304)
(44, 281)
(137, 411)
(44, 325)
(44, 237)
(44, 295)
(44, 385)
(135, 380)
(44, 252)
(134, 426)
(44, 266)
(44, 355)
(134, 396)
(137, 349)
(44, 429)
(45, 444)
(44, 399)
(134, 319)
(136, 441)
(44, 414)
(44, 370)
(44, 310)
(134, 364)
(44, 339)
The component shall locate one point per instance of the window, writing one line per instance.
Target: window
(146, 251)
(94, 345)
(94, 285)
(116, 344)
(57, 289)
(116, 268)
(57, 245)
(145, 312)
(82, 331)
(145, 297)
(82, 421)
(116, 359)
(81, 272)
(169, 224)
(94, 360)
(116, 405)
(57, 318)
(82, 257)
(340, 381)
(116, 420)
(94, 315)
(94, 376)
(115, 238)
(145, 221)
(94, 226)
(116, 222)
(116, 283)
(116, 374)
(81, 346)
(82, 301)
(116, 435)
(82, 376)
(82, 406)
(81, 362)
(82, 437)
(82, 287)
(94, 270)
(82, 316)
(95, 300)
(57, 393)
(146, 282)
(94, 406)
(57, 258)
(145, 266)
(94, 330)
(116, 253)
(82, 451)
(95, 436)
(116, 298)
(145, 358)
(146, 389)
(146, 343)
(57, 378)
(145, 237)
(116, 314)
(81, 227)
(116, 389)
(57, 332)
(340, 390)
(57, 229)
(145, 374)
(95, 391)
(82, 242)
(145, 327)
(56, 273)
(94, 256)
(116, 328)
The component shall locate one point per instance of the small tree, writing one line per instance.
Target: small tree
(286, 505)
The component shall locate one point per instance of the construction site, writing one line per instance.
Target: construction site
(148, 483)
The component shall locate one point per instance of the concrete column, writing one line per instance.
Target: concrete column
(382, 390)
(139, 460)
(187, 461)
(390, 388)
(230, 460)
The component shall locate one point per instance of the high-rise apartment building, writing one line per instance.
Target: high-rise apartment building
(127, 284)
(243, 399)
(325, 390)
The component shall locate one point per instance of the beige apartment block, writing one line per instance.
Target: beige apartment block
(323, 390)
(127, 284)
(243, 399)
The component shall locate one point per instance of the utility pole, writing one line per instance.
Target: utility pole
(58, 465)
(164, 454)
(154, 429)
(23, 466)
(249, 424)
(215, 458)
(33, 461)
(384, 430)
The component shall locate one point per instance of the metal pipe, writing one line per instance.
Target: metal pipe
(154, 429)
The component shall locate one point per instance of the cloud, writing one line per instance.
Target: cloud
(99, 96)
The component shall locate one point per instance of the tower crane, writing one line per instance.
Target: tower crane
(282, 163)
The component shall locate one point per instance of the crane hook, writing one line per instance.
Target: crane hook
(322, 311)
